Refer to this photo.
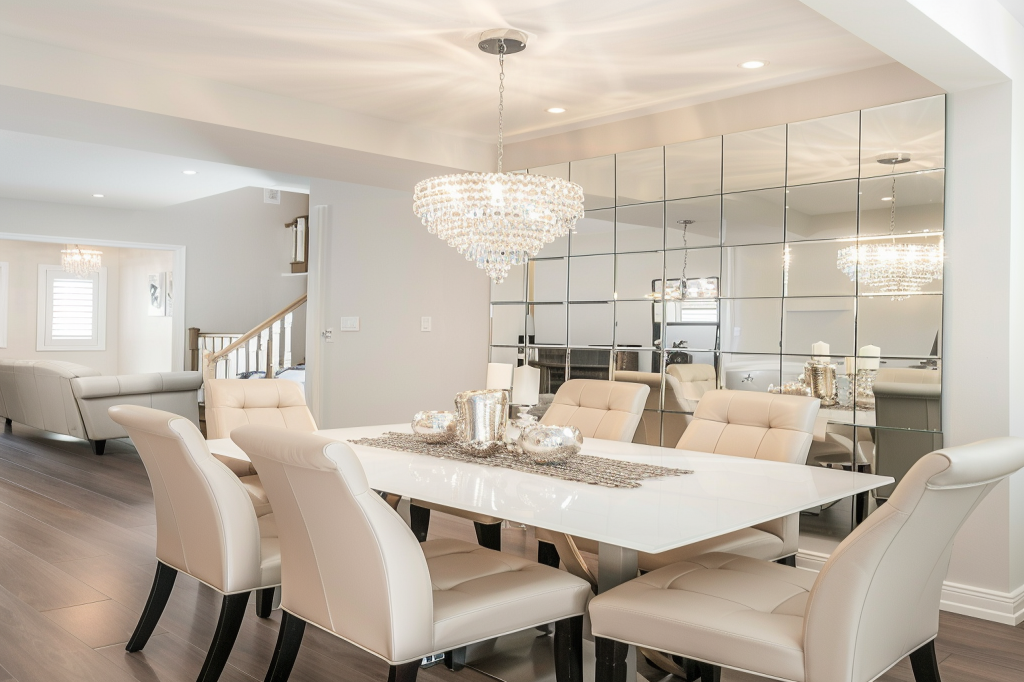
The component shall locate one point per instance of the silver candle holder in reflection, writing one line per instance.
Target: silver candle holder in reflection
(820, 377)
(482, 417)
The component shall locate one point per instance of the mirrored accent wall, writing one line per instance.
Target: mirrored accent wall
(718, 263)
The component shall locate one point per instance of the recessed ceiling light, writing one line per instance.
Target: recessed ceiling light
(556, 110)
(886, 198)
(753, 64)
(189, 172)
(98, 196)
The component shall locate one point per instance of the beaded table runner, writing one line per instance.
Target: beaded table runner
(611, 473)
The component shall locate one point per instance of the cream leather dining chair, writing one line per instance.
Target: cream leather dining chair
(875, 601)
(610, 410)
(352, 567)
(231, 403)
(205, 527)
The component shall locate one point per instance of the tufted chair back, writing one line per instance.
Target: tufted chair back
(205, 524)
(609, 410)
(349, 564)
(877, 597)
(231, 403)
(749, 424)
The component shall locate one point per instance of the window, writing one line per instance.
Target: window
(72, 310)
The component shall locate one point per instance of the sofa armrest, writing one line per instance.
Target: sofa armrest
(175, 392)
(135, 384)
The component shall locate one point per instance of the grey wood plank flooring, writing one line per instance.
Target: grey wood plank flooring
(77, 560)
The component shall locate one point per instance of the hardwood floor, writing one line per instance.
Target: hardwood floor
(77, 537)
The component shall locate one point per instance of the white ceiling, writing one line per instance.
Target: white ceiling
(42, 168)
(416, 60)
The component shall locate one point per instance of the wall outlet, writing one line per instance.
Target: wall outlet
(328, 335)
(350, 324)
(424, 324)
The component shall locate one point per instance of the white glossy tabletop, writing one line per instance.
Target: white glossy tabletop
(722, 495)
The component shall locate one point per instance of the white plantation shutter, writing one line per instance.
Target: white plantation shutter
(71, 310)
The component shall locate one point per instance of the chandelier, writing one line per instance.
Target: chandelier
(80, 262)
(498, 220)
(898, 270)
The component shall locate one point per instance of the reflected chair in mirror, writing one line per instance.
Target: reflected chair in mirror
(206, 527)
(231, 403)
(875, 601)
(351, 566)
(684, 386)
(908, 423)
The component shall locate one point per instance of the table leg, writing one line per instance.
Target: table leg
(616, 565)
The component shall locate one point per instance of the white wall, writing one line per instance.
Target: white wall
(382, 266)
(144, 341)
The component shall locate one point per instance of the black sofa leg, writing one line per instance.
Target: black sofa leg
(455, 660)
(419, 521)
(232, 610)
(405, 672)
(289, 638)
(488, 535)
(163, 582)
(547, 554)
(98, 446)
(611, 660)
(265, 602)
(925, 663)
(710, 673)
(569, 650)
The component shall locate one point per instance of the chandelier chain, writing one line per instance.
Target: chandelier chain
(892, 211)
(501, 101)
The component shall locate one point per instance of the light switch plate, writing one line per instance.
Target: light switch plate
(350, 324)
(425, 324)
(328, 336)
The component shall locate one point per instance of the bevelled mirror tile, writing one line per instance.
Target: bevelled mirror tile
(552, 365)
(693, 169)
(640, 176)
(692, 326)
(930, 246)
(506, 356)
(754, 217)
(807, 321)
(595, 233)
(693, 222)
(648, 432)
(549, 324)
(597, 178)
(635, 274)
(755, 159)
(640, 227)
(914, 130)
(823, 149)
(825, 211)
(752, 271)
(557, 170)
(751, 325)
(694, 264)
(591, 324)
(635, 324)
(812, 269)
(592, 278)
(750, 372)
(508, 323)
(546, 280)
(512, 288)
(919, 203)
(910, 327)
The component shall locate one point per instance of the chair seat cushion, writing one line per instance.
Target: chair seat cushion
(719, 608)
(257, 495)
(270, 551)
(472, 516)
(239, 467)
(479, 593)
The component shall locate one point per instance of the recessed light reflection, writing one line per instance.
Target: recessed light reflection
(189, 172)
(98, 196)
(886, 198)
(556, 110)
(753, 64)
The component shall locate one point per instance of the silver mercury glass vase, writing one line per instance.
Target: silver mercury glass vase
(482, 417)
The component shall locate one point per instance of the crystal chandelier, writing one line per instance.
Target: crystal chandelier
(80, 262)
(898, 270)
(498, 220)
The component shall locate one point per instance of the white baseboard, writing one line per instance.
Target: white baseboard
(999, 607)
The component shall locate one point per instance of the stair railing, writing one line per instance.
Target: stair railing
(245, 351)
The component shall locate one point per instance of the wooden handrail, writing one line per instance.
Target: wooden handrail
(258, 329)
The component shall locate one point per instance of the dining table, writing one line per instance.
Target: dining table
(716, 495)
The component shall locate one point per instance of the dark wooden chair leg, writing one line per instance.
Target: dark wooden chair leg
(925, 664)
(455, 660)
(419, 520)
(488, 535)
(232, 610)
(405, 672)
(569, 650)
(265, 602)
(710, 673)
(98, 446)
(163, 582)
(547, 554)
(689, 666)
(289, 637)
(8, 423)
(611, 660)
(787, 560)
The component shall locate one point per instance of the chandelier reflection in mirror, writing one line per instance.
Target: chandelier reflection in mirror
(80, 262)
(498, 220)
(896, 270)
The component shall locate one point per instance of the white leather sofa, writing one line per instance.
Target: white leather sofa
(73, 399)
